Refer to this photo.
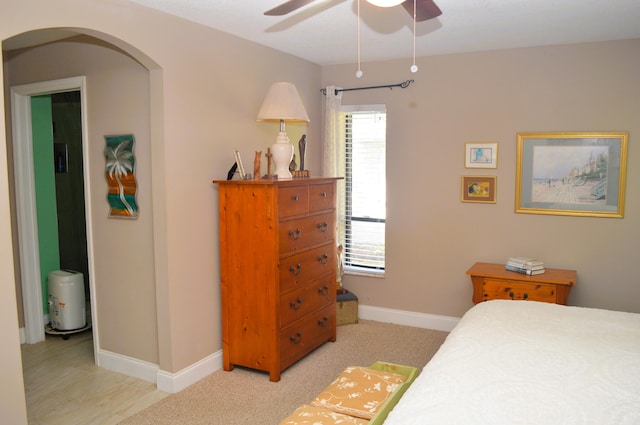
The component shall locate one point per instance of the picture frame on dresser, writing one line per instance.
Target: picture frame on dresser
(481, 155)
(571, 173)
(481, 189)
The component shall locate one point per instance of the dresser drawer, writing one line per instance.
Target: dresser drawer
(304, 232)
(496, 289)
(300, 268)
(321, 197)
(293, 200)
(303, 336)
(309, 297)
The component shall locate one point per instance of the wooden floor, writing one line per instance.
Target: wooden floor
(64, 386)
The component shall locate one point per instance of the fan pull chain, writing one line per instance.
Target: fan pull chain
(359, 71)
(414, 67)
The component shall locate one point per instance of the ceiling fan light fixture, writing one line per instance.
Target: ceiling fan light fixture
(385, 3)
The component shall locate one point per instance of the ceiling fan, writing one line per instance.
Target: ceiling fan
(425, 9)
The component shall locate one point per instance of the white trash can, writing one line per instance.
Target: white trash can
(67, 308)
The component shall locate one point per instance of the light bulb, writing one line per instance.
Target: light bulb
(414, 68)
(358, 73)
(385, 3)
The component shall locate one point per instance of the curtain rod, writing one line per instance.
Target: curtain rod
(402, 85)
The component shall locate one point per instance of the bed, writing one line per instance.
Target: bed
(525, 362)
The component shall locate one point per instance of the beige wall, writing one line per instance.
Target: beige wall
(205, 88)
(432, 237)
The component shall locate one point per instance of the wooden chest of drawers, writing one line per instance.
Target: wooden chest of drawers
(492, 281)
(278, 270)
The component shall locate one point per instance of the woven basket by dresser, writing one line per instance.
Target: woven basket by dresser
(347, 309)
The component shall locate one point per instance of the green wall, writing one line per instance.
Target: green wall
(44, 177)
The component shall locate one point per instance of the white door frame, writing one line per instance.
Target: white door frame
(26, 204)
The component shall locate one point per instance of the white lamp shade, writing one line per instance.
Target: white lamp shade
(385, 3)
(282, 102)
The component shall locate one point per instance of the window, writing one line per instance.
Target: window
(363, 227)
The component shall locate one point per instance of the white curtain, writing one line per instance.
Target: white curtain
(333, 164)
(333, 135)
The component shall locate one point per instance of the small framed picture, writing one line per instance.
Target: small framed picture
(236, 155)
(481, 155)
(479, 189)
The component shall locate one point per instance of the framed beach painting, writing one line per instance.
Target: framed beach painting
(572, 173)
(120, 174)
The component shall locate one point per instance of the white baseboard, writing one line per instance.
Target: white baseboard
(176, 382)
(407, 318)
(128, 366)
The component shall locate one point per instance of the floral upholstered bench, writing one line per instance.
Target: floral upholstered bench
(359, 396)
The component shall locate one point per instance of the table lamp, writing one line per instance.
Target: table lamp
(282, 103)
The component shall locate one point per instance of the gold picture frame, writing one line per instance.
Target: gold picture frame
(571, 173)
(480, 189)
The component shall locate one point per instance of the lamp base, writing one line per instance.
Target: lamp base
(282, 155)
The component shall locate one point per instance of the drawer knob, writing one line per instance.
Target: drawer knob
(324, 322)
(525, 296)
(296, 304)
(296, 338)
(295, 270)
(323, 227)
(295, 198)
(295, 235)
(323, 290)
(323, 259)
(511, 294)
(323, 194)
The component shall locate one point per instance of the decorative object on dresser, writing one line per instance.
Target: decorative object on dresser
(493, 281)
(278, 270)
(236, 155)
(282, 103)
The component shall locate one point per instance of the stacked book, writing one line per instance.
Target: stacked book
(525, 265)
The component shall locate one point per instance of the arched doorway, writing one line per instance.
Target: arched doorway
(152, 80)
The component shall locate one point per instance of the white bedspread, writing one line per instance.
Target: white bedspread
(524, 362)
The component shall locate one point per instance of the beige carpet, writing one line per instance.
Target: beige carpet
(245, 396)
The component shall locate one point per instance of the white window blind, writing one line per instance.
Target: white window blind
(365, 193)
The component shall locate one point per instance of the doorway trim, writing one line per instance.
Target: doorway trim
(26, 205)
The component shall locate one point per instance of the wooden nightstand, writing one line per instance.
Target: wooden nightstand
(493, 282)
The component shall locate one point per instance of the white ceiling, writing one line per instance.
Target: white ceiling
(325, 31)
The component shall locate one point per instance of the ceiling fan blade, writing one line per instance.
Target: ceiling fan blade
(288, 6)
(425, 9)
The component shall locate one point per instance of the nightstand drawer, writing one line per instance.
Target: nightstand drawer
(511, 290)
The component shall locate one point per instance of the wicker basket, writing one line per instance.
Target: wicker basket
(347, 309)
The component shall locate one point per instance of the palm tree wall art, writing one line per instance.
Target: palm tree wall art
(120, 174)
